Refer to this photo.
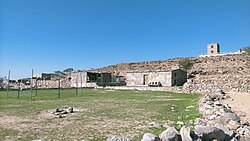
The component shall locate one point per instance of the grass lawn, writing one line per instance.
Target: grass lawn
(101, 113)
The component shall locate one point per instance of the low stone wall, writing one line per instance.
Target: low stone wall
(187, 88)
(51, 84)
(43, 84)
(145, 88)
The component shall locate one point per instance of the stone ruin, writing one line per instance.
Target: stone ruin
(61, 113)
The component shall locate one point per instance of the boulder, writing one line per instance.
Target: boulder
(117, 138)
(227, 108)
(209, 112)
(241, 131)
(229, 133)
(210, 133)
(58, 110)
(244, 123)
(247, 133)
(185, 134)
(233, 124)
(230, 116)
(63, 112)
(216, 96)
(233, 139)
(199, 121)
(207, 98)
(150, 137)
(211, 117)
(70, 110)
(217, 103)
(169, 134)
(242, 138)
(61, 116)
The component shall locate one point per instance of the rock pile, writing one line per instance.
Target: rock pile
(220, 116)
(190, 87)
(219, 123)
(61, 113)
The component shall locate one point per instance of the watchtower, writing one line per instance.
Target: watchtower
(213, 49)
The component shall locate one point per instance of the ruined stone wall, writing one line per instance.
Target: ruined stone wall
(64, 83)
(43, 84)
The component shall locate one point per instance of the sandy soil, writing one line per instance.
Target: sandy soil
(240, 104)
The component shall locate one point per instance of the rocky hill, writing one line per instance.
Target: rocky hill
(229, 72)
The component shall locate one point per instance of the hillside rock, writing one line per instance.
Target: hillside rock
(185, 134)
(210, 133)
(170, 134)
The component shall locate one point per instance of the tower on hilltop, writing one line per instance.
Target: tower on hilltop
(213, 49)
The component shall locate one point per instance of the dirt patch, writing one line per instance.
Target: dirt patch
(14, 122)
(240, 103)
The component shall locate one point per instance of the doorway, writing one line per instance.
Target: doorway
(145, 79)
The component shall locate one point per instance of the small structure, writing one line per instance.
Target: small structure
(83, 79)
(176, 77)
(213, 49)
(42, 76)
(93, 79)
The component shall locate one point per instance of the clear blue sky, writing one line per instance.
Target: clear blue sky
(49, 35)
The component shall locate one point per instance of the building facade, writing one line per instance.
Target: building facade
(167, 78)
(213, 49)
(83, 79)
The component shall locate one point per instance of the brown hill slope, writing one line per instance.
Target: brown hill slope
(230, 72)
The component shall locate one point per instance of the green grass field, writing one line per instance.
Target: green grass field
(101, 113)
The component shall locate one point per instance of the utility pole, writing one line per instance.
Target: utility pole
(18, 92)
(36, 86)
(59, 88)
(32, 72)
(8, 85)
(76, 84)
(81, 82)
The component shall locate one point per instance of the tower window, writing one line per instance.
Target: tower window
(212, 46)
(212, 51)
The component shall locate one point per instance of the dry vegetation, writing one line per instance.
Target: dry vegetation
(100, 113)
